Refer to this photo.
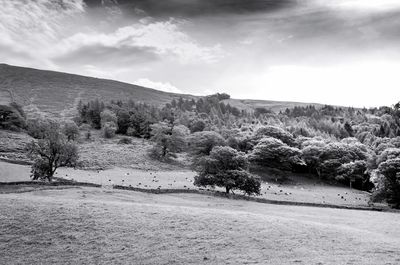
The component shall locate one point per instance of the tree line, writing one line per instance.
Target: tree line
(359, 147)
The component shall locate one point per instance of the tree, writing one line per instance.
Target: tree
(169, 139)
(271, 152)
(109, 129)
(123, 121)
(201, 143)
(197, 125)
(50, 153)
(275, 132)
(108, 116)
(389, 153)
(11, 118)
(325, 159)
(390, 169)
(90, 113)
(39, 128)
(225, 167)
(71, 130)
(355, 173)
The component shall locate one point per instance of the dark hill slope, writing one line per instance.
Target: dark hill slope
(55, 93)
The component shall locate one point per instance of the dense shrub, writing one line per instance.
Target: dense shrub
(273, 153)
(125, 140)
(201, 143)
(90, 113)
(71, 130)
(275, 132)
(197, 125)
(40, 128)
(107, 116)
(355, 173)
(390, 169)
(12, 117)
(169, 139)
(325, 159)
(108, 129)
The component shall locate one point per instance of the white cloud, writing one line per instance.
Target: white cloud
(167, 87)
(370, 5)
(165, 38)
(94, 71)
(32, 27)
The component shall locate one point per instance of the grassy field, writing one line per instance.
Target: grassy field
(13, 144)
(100, 226)
(300, 189)
(105, 162)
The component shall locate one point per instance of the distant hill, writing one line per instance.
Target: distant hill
(49, 93)
(275, 106)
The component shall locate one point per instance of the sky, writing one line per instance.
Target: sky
(340, 52)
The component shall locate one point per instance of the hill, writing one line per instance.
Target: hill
(56, 93)
(44, 92)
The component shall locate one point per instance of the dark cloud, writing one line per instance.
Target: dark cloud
(161, 8)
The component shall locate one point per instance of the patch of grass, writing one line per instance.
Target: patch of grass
(86, 226)
(12, 145)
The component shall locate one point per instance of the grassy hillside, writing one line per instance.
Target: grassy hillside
(101, 226)
(275, 106)
(57, 94)
(54, 93)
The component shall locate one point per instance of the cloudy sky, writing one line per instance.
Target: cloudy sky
(343, 52)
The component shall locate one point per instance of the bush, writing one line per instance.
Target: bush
(273, 153)
(355, 173)
(50, 153)
(109, 129)
(201, 143)
(390, 169)
(169, 139)
(90, 113)
(197, 125)
(40, 128)
(275, 132)
(225, 167)
(86, 128)
(11, 118)
(325, 159)
(71, 130)
(108, 116)
(125, 140)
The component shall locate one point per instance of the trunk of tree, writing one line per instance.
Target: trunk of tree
(164, 151)
(227, 189)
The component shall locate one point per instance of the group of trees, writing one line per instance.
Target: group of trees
(337, 144)
(359, 147)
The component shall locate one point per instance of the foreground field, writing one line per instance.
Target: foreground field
(101, 226)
